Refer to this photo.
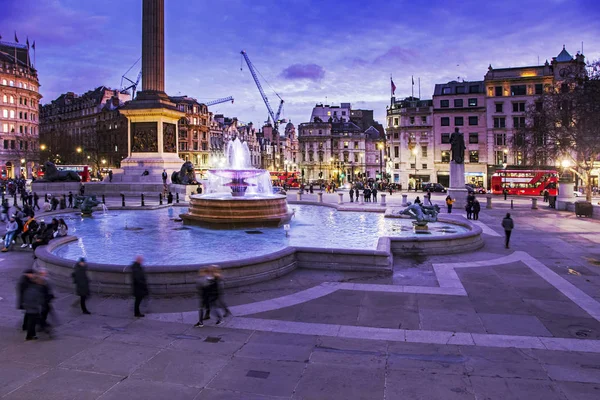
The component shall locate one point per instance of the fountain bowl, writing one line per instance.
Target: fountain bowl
(228, 211)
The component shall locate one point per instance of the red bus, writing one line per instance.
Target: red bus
(82, 170)
(526, 182)
(292, 178)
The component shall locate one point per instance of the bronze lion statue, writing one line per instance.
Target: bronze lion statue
(186, 175)
(52, 174)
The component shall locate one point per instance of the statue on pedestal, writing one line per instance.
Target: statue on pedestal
(421, 213)
(457, 143)
(86, 204)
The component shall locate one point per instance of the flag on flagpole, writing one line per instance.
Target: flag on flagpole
(0, 37)
(16, 38)
(33, 45)
(393, 87)
(27, 41)
(413, 79)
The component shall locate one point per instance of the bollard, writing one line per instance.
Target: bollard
(143, 200)
(122, 200)
(103, 199)
(160, 199)
(488, 202)
(320, 197)
(511, 204)
(534, 203)
(361, 198)
(299, 195)
(404, 200)
(15, 200)
(177, 197)
(382, 195)
(341, 199)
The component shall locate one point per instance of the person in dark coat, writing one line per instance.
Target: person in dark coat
(82, 283)
(203, 297)
(70, 199)
(24, 282)
(417, 200)
(508, 225)
(48, 296)
(32, 302)
(469, 210)
(476, 209)
(374, 194)
(36, 198)
(351, 192)
(139, 285)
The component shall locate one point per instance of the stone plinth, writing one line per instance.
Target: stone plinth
(404, 200)
(565, 195)
(457, 185)
(382, 196)
(56, 188)
(460, 198)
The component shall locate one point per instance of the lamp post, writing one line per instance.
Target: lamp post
(380, 146)
(415, 152)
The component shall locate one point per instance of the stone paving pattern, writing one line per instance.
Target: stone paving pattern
(111, 355)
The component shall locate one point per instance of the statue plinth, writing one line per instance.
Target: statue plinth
(457, 188)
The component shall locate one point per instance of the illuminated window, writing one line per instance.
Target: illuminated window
(445, 156)
(474, 156)
(472, 102)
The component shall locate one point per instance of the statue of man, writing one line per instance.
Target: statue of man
(457, 143)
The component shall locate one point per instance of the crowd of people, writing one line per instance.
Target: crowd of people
(22, 226)
(35, 295)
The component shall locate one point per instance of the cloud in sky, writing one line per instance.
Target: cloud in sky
(309, 51)
(311, 72)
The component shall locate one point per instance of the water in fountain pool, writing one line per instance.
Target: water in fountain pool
(117, 237)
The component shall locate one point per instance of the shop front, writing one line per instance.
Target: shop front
(476, 179)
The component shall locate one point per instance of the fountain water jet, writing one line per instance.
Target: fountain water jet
(237, 196)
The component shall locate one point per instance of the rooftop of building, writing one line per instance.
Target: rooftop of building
(456, 87)
(411, 102)
(8, 51)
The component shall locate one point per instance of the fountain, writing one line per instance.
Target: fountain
(237, 196)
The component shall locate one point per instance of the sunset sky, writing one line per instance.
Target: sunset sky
(309, 51)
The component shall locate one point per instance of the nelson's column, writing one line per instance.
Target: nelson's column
(152, 130)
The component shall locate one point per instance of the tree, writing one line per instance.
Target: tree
(563, 125)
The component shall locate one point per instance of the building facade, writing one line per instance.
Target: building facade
(85, 129)
(509, 93)
(194, 133)
(410, 142)
(19, 102)
(340, 151)
(462, 106)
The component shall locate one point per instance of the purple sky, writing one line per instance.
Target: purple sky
(309, 51)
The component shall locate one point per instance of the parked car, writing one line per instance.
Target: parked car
(434, 187)
(474, 189)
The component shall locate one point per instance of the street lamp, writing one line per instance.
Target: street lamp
(415, 152)
(504, 165)
(381, 146)
(42, 147)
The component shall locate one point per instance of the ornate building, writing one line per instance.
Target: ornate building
(460, 105)
(410, 141)
(194, 132)
(86, 129)
(19, 100)
(341, 150)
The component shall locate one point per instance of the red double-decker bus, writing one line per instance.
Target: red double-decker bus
(526, 182)
(291, 178)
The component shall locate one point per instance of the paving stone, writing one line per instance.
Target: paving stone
(61, 384)
(133, 389)
(194, 339)
(427, 358)
(45, 352)
(450, 320)
(14, 375)
(571, 373)
(510, 324)
(278, 352)
(222, 394)
(502, 362)
(342, 351)
(555, 309)
(96, 327)
(181, 367)
(579, 391)
(111, 358)
(283, 377)
(320, 381)
(492, 388)
(149, 333)
(283, 338)
(572, 327)
(427, 386)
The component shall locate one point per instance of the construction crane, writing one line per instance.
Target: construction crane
(274, 117)
(219, 101)
(132, 84)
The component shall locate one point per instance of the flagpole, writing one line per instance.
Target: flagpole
(412, 87)
(419, 88)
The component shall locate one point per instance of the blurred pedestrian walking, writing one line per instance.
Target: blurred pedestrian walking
(139, 285)
(82, 283)
(508, 225)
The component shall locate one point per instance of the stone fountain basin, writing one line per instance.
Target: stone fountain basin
(236, 173)
(180, 279)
